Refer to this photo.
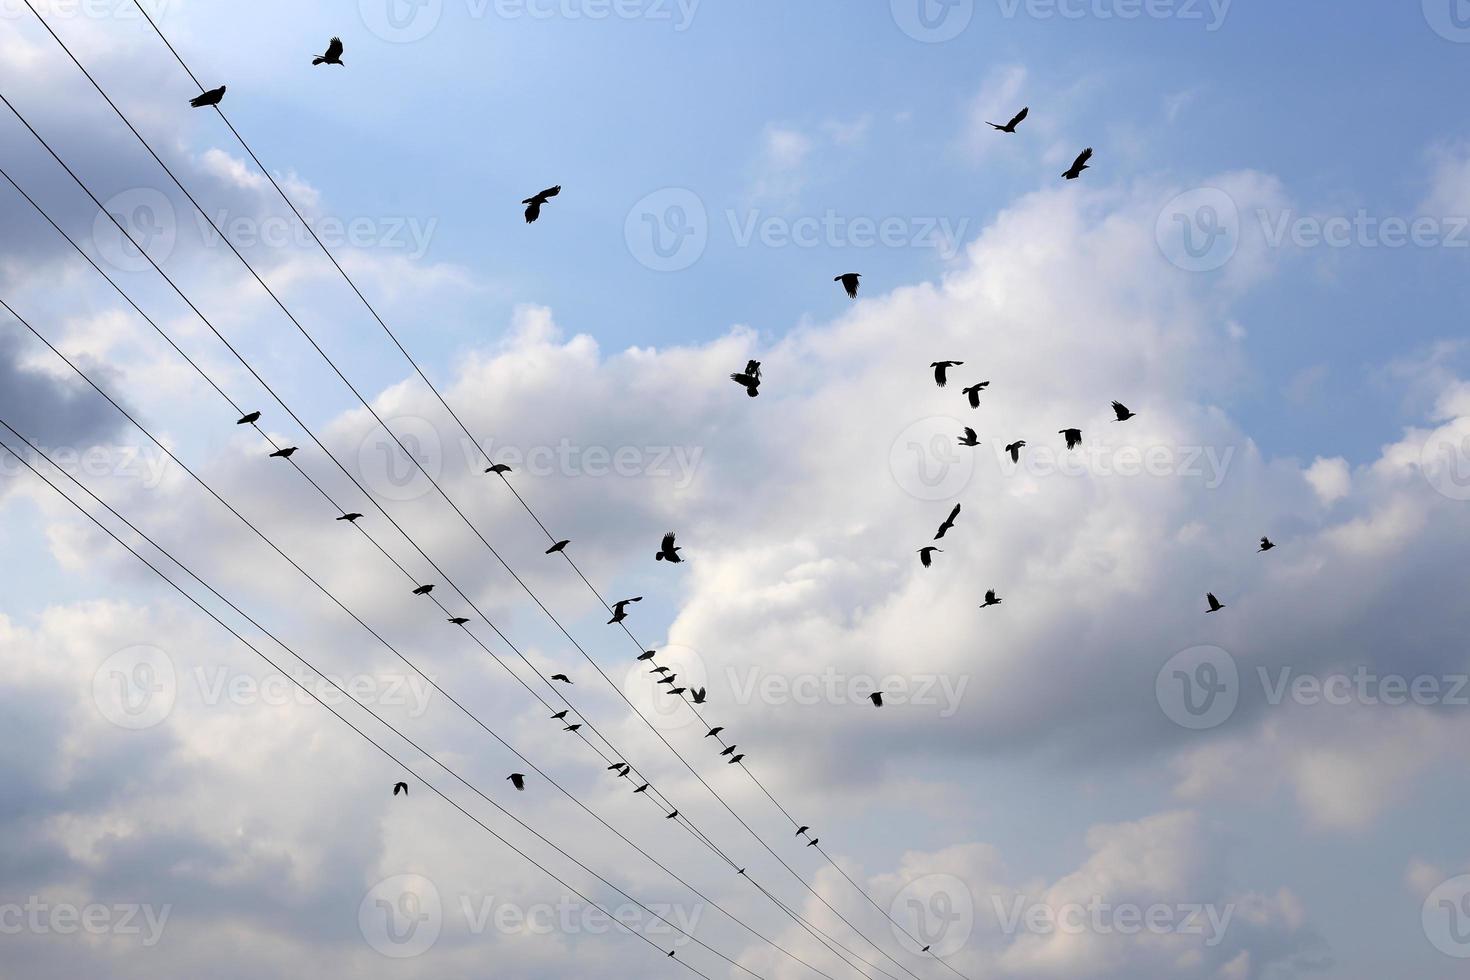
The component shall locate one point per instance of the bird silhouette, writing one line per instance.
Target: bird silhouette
(352, 518)
(518, 780)
(1010, 127)
(990, 599)
(1079, 165)
(926, 555)
(877, 698)
(533, 203)
(814, 842)
(668, 551)
(286, 453)
(698, 695)
(458, 620)
(561, 677)
(615, 767)
(677, 690)
(941, 371)
(1074, 437)
(969, 438)
(714, 732)
(558, 547)
(973, 393)
(801, 830)
(647, 655)
(948, 522)
(673, 816)
(729, 751)
(1121, 410)
(1267, 544)
(736, 759)
(333, 55)
(642, 789)
(561, 715)
(1015, 450)
(213, 97)
(248, 419)
(400, 787)
(1215, 604)
(751, 379)
(620, 609)
(571, 728)
(423, 590)
(670, 680)
(500, 469)
(849, 282)
(659, 670)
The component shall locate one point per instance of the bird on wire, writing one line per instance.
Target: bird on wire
(248, 419)
(560, 546)
(213, 97)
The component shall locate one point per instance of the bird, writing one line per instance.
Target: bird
(941, 377)
(969, 438)
(572, 728)
(458, 620)
(668, 551)
(333, 55)
(1267, 544)
(248, 419)
(877, 698)
(673, 816)
(350, 518)
(698, 695)
(620, 609)
(990, 599)
(728, 751)
(734, 760)
(948, 522)
(518, 780)
(1121, 410)
(677, 690)
(668, 680)
(213, 97)
(500, 469)
(659, 670)
(1215, 604)
(926, 555)
(714, 732)
(671, 953)
(286, 453)
(623, 769)
(559, 546)
(561, 715)
(1010, 127)
(801, 830)
(974, 393)
(849, 282)
(533, 203)
(642, 789)
(1074, 437)
(647, 655)
(1079, 165)
(814, 841)
(423, 590)
(400, 787)
(614, 767)
(750, 379)
(561, 677)
(1015, 450)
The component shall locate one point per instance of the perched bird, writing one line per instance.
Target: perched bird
(458, 620)
(620, 609)
(941, 369)
(499, 469)
(623, 769)
(1015, 450)
(213, 97)
(517, 780)
(814, 842)
(734, 760)
(352, 518)
(400, 788)
(647, 655)
(926, 555)
(802, 830)
(728, 751)
(423, 590)
(333, 55)
(969, 438)
(642, 789)
(990, 599)
(974, 393)
(673, 816)
(1074, 437)
(1079, 165)
(1010, 127)
(714, 732)
(668, 551)
(560, 715)
(668, 680)
(948, 522)
(1121, 410)
(561, 677)
(849, 282)
(533, 204)
(877, 698)
(1267, 544)
(614, 767)
(248, 419)
(571, 728)
(559, 546)
(659, 670)
(677, 690)
(751, 379)
(286, 453)
(1215, 604)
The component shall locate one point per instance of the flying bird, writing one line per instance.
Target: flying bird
(500, 469)
(248, 419)
(1267, 544)
(969, 438)
(1215, 604)
(1074, 437)
(877, 698)
(561, 677)
(1010, 127)
(926, 555)
(213, 97)
(620, 609)
(751, 379)
(400, 788)
(1079, 165)
(286, 453)
(333, 55)
(1015, 450)
(518, 780)
(990, 599)
(352, 518)
(849, 282)
(423, 590)
(558, 547)
(948, 522)
(941, 368)
(974, 393)
(533, 204)
(1121, 410)
(713, 732)
(698, 695)
(458, 620)
(668, 551)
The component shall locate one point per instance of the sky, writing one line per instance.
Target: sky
(1094, 779)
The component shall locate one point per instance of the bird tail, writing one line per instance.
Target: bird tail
(318, 60)
(658, 556)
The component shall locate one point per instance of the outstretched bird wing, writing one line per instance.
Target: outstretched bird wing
(334, 50)
(1019, 116)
